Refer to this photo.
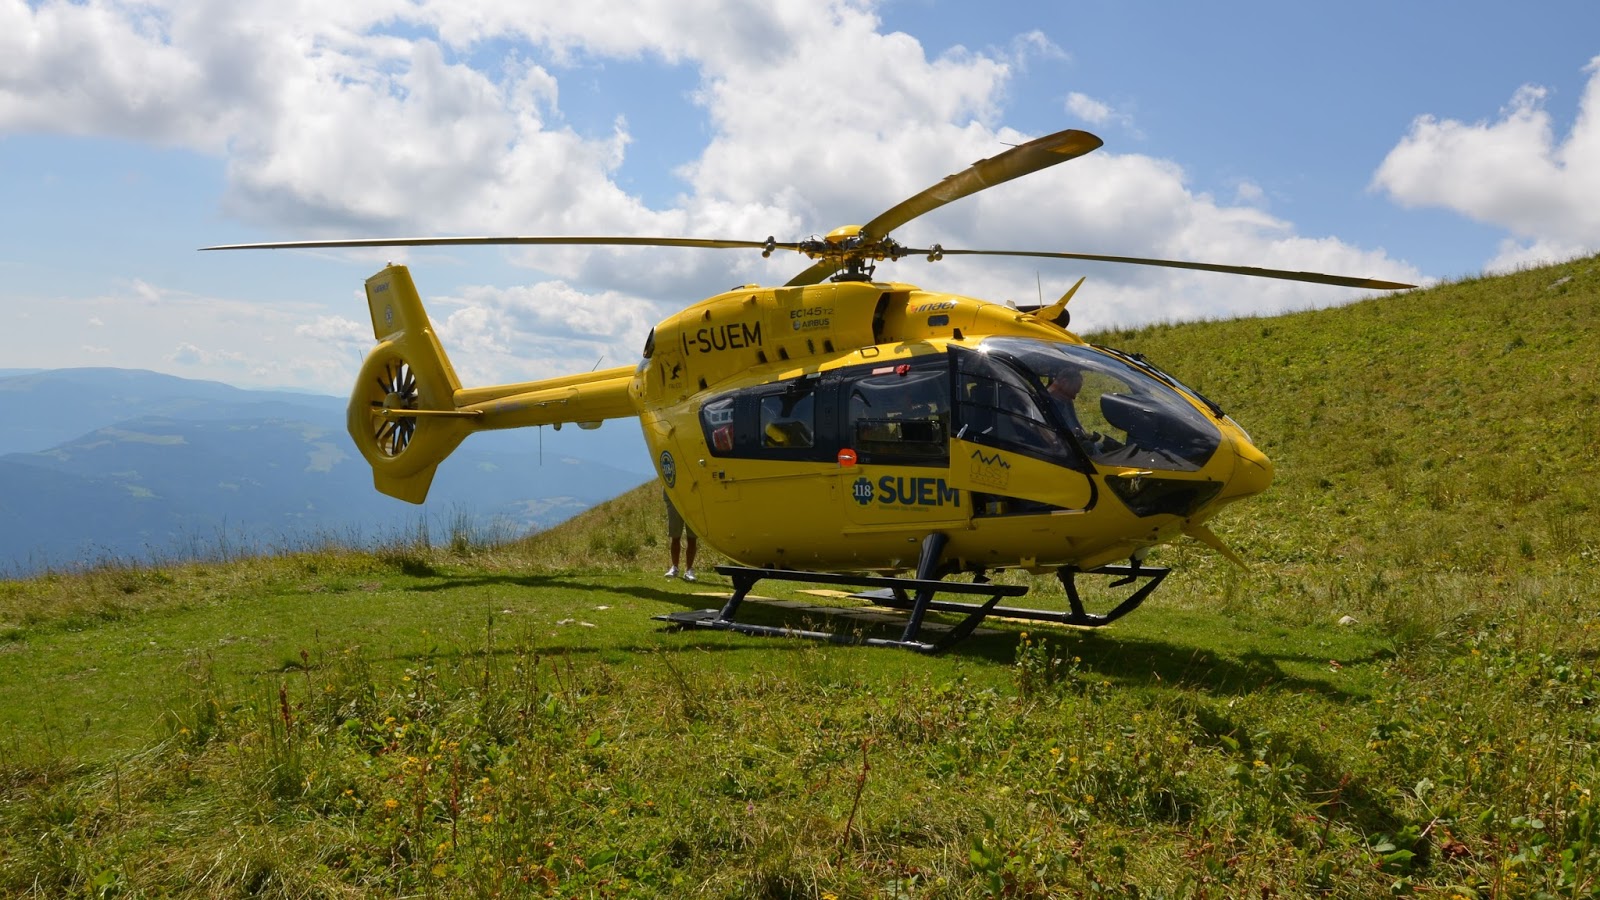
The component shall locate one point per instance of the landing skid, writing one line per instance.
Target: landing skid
(1076, 615)
(919, 591)
(917, 596)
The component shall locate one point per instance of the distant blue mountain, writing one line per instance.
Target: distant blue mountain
(43, 409)
(114, 463)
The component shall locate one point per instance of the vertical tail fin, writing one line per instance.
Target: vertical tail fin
(402, 412)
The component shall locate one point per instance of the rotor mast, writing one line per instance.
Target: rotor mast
(855, 253)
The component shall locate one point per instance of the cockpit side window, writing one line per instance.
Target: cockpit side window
(1119, 415)
(1075, 398)
(997, 407)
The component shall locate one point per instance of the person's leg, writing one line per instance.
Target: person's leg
(688, 559)
(675, 531)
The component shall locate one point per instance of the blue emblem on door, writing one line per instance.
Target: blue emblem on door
(669, 469)
(862, 490)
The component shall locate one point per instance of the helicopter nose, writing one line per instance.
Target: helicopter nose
(1252, 472)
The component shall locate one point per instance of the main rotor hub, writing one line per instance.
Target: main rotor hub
(853, 251)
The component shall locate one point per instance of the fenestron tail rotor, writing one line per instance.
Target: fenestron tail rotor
(403, 414)
(392, 391)
(408, 410)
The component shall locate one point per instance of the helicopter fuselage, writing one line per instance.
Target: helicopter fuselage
(835, 426)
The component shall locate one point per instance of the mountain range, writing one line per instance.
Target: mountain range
(99, 464)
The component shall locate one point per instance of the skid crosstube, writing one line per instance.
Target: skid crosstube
(745, 578)
(916, 595)
(1076, 615)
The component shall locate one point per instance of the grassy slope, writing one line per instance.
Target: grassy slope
(1439, 445)
(461, 721)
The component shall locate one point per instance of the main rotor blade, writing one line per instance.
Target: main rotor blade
(712, 243)
(1039, 153)
(1286, 275)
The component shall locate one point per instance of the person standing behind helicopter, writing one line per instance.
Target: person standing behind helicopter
(675, 533)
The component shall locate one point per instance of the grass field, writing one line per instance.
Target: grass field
(452, 719)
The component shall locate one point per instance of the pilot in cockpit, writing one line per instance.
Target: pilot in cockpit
(1063, 389)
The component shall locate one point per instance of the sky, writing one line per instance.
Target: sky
(1415, 142)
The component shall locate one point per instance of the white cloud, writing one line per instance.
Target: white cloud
(187, 354)
(1248, 193)
(246, 343)
(1131, 205)
(1512, 254)
(102, 69)
(327, 351)
(337, 330)
(1100, 114)
(1088, 109)
(1035, 44)
(145, 291)
(380, 116)
(539, 331)
(421, 143)
(1512, 173)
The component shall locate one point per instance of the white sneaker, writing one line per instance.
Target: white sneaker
(688, 575)
(673, 573)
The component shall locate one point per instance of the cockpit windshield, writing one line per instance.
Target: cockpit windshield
(1120, 415)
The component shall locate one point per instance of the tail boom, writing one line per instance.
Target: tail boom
(408, 411)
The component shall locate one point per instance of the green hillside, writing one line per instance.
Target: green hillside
(1435, 450)
(447, 719)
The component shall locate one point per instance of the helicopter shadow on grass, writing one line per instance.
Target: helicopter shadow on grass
(1187, 676)
(554, 650)
(1116, 657)
(567, 582)
(1134, 660)
(1105, 655)
(1200, 684)
(851, 623)
(696, 641)
(517, 642)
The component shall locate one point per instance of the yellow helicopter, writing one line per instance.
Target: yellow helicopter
(840, 429)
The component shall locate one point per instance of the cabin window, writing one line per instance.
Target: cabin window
(899, 415)
(716, 418)
(788, 420)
